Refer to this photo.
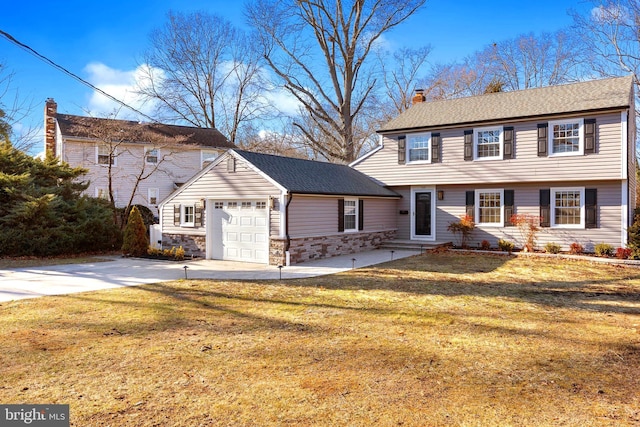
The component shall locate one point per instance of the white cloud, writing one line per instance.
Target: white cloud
(122, 85)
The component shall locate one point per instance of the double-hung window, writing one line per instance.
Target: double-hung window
(350, 214)
(151, 155)
(153, 196)
(566, 137)
(489, 207)
(187, 215)
(419, 147)
(105, 155)
(487, 143)
(567, 207)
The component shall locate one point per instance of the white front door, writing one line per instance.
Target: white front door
(239, 230)
(423, 214)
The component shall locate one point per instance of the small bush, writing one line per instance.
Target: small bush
(174, 253)
(623, 253)
(529, 227)
(552, 248)
(576, 248)
(505, 245)
(464, 228)
(604, 249)
(485, 245)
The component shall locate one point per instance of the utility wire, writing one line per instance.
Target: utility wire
(72, 75)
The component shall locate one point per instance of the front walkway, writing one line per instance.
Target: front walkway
(118, 272)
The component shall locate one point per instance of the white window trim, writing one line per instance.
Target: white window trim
(408, 148)
(183, 223)
(477, 207)
(149, 196)
(500, 143)
(146, 150)
(552, 210)
(114, 156)
(355, 229)
(580, 151)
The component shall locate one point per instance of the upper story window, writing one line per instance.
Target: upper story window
(566, 137)
(567, 207)
(419, 147)
(151, 155)
(487, 143)
(207, 156)
(489, 207)
(350, 214)
(105, 155)
(153, 196)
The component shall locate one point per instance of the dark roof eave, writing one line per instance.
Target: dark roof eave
(505, 119)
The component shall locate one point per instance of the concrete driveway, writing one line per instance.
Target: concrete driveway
(21, 283)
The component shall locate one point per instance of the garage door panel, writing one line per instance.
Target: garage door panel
(242, 231)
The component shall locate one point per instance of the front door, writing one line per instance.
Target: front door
(423, 212)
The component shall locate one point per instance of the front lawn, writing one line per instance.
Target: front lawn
(438, 339)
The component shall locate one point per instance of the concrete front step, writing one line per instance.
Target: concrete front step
(412, 245)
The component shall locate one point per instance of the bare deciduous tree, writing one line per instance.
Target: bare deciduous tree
(203, 71)
(14, 109)
(320, 49)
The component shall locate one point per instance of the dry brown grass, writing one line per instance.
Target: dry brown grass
(439, 339)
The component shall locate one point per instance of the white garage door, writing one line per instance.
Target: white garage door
(239, 230)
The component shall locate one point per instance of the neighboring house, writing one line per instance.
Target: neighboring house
(146, 161)
(279, 210)
(565, 154)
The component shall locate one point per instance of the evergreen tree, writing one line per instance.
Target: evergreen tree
(42, 211)
(135, 241)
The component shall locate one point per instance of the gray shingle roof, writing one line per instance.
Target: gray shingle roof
(576, 97)
(312, 177)
(131, 131)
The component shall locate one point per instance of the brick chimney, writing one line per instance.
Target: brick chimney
(50, 111)
(418, 97)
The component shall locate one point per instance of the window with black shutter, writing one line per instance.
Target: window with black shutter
(468, 144)
(436, 142)
(360, 214)
(470, 204)
(542, 139)
(507, 150)
(508, 207)
(591, 208)
(545, 208)
(589, 136)
(402, 150)
(176, 215)
(340, 215)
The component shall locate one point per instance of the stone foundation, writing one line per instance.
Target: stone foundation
(192, 245)
(318, 247)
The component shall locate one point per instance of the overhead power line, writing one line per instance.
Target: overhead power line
(71, 74)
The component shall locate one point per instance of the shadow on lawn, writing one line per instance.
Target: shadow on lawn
(556, 283)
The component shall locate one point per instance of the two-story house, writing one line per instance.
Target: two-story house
(136, 163)
(564, 154)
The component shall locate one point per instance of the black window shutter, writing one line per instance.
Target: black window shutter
(470, 204)
(507, 136)
(508, 207)
(402, 150)
(589, 136)
(468, 144)
(591, 208)
(197, 216)
(360, 214)
(542, 139)
(436, 141)
(176, 214)
(340, 214)
(545, 208)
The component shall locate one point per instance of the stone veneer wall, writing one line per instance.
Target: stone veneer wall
(310, 248)
(192, 245)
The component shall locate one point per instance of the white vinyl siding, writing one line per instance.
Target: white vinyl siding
(525, 167)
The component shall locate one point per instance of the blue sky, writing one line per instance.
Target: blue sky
(103, 41)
